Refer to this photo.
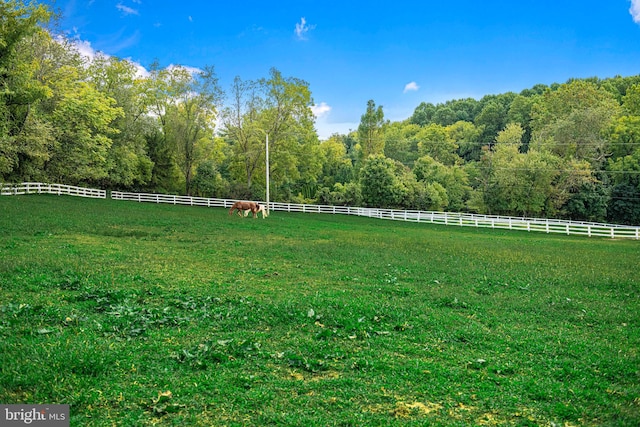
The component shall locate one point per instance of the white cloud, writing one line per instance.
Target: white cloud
(141, 72)
(634, 10)
(413, 86)
(302, 28)
(85, 49)
(126, 9)
(320, 110)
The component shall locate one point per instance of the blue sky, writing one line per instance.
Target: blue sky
(398, 53)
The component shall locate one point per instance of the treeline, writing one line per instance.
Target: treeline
(567, 150)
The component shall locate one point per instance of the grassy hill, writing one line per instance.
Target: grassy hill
(143, 314)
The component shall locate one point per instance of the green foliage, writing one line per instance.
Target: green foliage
(518, 183)
(207, 181)
(631, 100)
(370, 131)
(626, 170)
(511, 135)
(588, 203)
(380, 184)
(336, 166)
(276, 108)
(446, 113)
(401, 142)
(186, 105)
(624, 207)
(423, 195)
(435, 141)
(624, 136)
(348, 194)
(520, 112)
(423, 114)
(467, 137)
(572, 120)
(165, 176)
(574, 96)
(129, 165)
(453, 184)
(82, 121)
(492, 118)
(22, 136)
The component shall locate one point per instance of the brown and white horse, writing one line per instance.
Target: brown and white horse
(241, 206)
(261, 208)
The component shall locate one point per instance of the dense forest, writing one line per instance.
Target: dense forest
(568, 150)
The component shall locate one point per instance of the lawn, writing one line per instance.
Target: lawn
(144, 314)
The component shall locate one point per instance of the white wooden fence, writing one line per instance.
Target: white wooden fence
(59, 189)
(591, 229)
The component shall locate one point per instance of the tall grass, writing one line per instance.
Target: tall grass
(142, 314)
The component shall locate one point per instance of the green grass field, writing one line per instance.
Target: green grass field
(143, 314)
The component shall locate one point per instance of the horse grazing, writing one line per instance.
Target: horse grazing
(245, 206)
(261, 208)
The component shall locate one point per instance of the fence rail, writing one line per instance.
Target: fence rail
(59, 189)
(590, 229)
(171, 199)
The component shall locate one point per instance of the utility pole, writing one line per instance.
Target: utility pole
(267, 168)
